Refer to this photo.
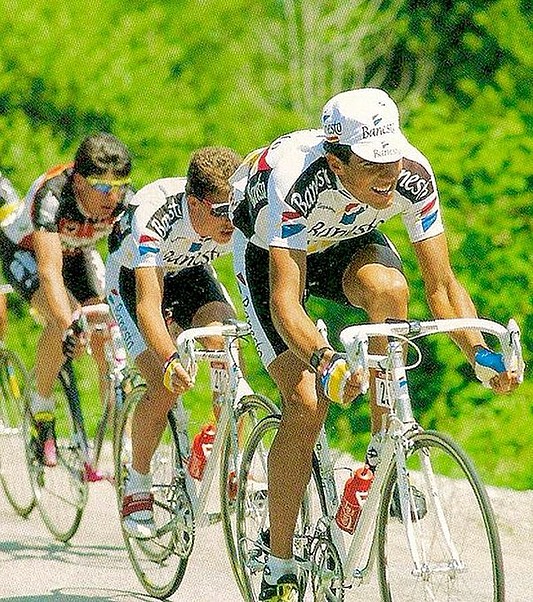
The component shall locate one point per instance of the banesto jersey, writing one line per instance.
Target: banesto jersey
(156, 231)
(51, 205)
(286, 195)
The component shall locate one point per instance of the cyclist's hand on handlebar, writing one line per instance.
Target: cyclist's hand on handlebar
(73, 339)
(490, 370)
(338, 383)
(176, 378)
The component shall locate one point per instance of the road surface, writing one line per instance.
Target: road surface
(94, 565)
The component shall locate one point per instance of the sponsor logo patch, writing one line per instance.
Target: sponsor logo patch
(148, 244)
(290, 224)
(351, 212)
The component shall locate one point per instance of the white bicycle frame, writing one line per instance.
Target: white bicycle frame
(236, 389)
(357, 560)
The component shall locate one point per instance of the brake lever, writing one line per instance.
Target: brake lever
(512, 350)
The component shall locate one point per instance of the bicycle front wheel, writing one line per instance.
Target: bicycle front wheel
(250, 410)
(160, 562)
(14, 433)
(61, 491)
(252, 516)
(443, 546)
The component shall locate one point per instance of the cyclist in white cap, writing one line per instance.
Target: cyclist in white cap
(307, 211)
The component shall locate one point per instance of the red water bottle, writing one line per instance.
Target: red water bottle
(353, 498)
(201, 448)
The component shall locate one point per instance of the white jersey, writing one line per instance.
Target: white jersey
(287, 196)
(156, 231)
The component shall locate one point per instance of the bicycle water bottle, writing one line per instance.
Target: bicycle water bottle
(353, 498)
(200, 450)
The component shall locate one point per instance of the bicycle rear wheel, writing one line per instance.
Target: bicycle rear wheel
(160, 562)
(250, 410)
(61, 491)
(453, 531)
(14, 433)
(252, 519)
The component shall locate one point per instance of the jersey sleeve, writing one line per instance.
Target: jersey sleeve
(287, 215)
(417, 186)
(146, 241)
(45, 209)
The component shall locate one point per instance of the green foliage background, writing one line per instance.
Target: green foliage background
(168, 77)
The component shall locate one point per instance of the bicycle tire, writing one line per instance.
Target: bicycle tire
(159, 563)
(458, 490)
(14, 433)
(253, 408)
(61, 491)
(252, 525)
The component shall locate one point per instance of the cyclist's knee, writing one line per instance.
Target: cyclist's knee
(386, 294)
(304, 415)
(212, 342)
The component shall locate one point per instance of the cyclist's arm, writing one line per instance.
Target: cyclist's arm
(287, 281)
(49, 258)
(149, 290)
(447, 298)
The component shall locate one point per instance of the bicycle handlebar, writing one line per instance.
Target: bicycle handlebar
(231, 329)
(6, 289)
(98, 310)
(186, 340)
(355, 338)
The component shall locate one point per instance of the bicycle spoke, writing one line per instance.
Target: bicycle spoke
(158, 562)
(453, 552)
(14, 434)
(251, 409)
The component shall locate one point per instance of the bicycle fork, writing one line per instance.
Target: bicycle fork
(421, 567)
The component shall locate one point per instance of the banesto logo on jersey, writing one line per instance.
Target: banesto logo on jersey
(164, 218)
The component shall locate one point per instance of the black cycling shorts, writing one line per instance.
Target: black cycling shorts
(184, 292)
(325, 271)
(83, 271)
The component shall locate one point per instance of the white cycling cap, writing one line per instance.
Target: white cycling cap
(368, 121)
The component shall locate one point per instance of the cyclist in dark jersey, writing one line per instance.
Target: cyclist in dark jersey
(307, 209)
(49, 256)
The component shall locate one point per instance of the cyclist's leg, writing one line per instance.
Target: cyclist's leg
(48, 361)
(290, 458)
(147, 426)
(84, 274)
(372, 280)
(150, 414)
(194, 297)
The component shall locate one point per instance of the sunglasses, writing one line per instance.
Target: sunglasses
(106, 186)
(220, 210)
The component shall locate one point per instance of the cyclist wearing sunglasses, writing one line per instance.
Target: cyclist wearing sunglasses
(48, 254)
(159, 272)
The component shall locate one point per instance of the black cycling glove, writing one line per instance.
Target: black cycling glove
(71, 337)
